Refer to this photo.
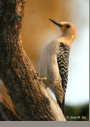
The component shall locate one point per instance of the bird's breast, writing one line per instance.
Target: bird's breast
(48, 62)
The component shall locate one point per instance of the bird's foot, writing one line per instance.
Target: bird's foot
(40, 79)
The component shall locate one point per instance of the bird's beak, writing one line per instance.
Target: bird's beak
(60, 24)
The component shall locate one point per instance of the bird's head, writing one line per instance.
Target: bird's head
(68, 29)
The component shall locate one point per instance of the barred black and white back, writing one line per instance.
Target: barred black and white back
(63, 61)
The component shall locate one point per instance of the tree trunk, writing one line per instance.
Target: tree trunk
(6, 113)
(31, 100)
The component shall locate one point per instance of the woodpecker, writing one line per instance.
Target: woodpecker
(54, 61)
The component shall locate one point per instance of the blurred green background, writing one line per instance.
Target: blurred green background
(37, 31)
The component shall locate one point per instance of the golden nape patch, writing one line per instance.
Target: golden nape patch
(75, 37)
(61, 23)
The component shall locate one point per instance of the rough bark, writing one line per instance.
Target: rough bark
(6, 112)
(30, 98)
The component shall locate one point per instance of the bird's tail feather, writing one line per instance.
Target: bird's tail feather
(61, 104)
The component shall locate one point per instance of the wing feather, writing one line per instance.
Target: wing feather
(63, 61)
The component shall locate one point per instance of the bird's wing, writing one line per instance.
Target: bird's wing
(63, 60)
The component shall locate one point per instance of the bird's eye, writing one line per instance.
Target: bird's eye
(68, 26)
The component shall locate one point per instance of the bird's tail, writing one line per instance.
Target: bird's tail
(61, 104)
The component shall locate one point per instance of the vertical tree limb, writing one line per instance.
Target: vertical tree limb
(30, 98)
(6, 113)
